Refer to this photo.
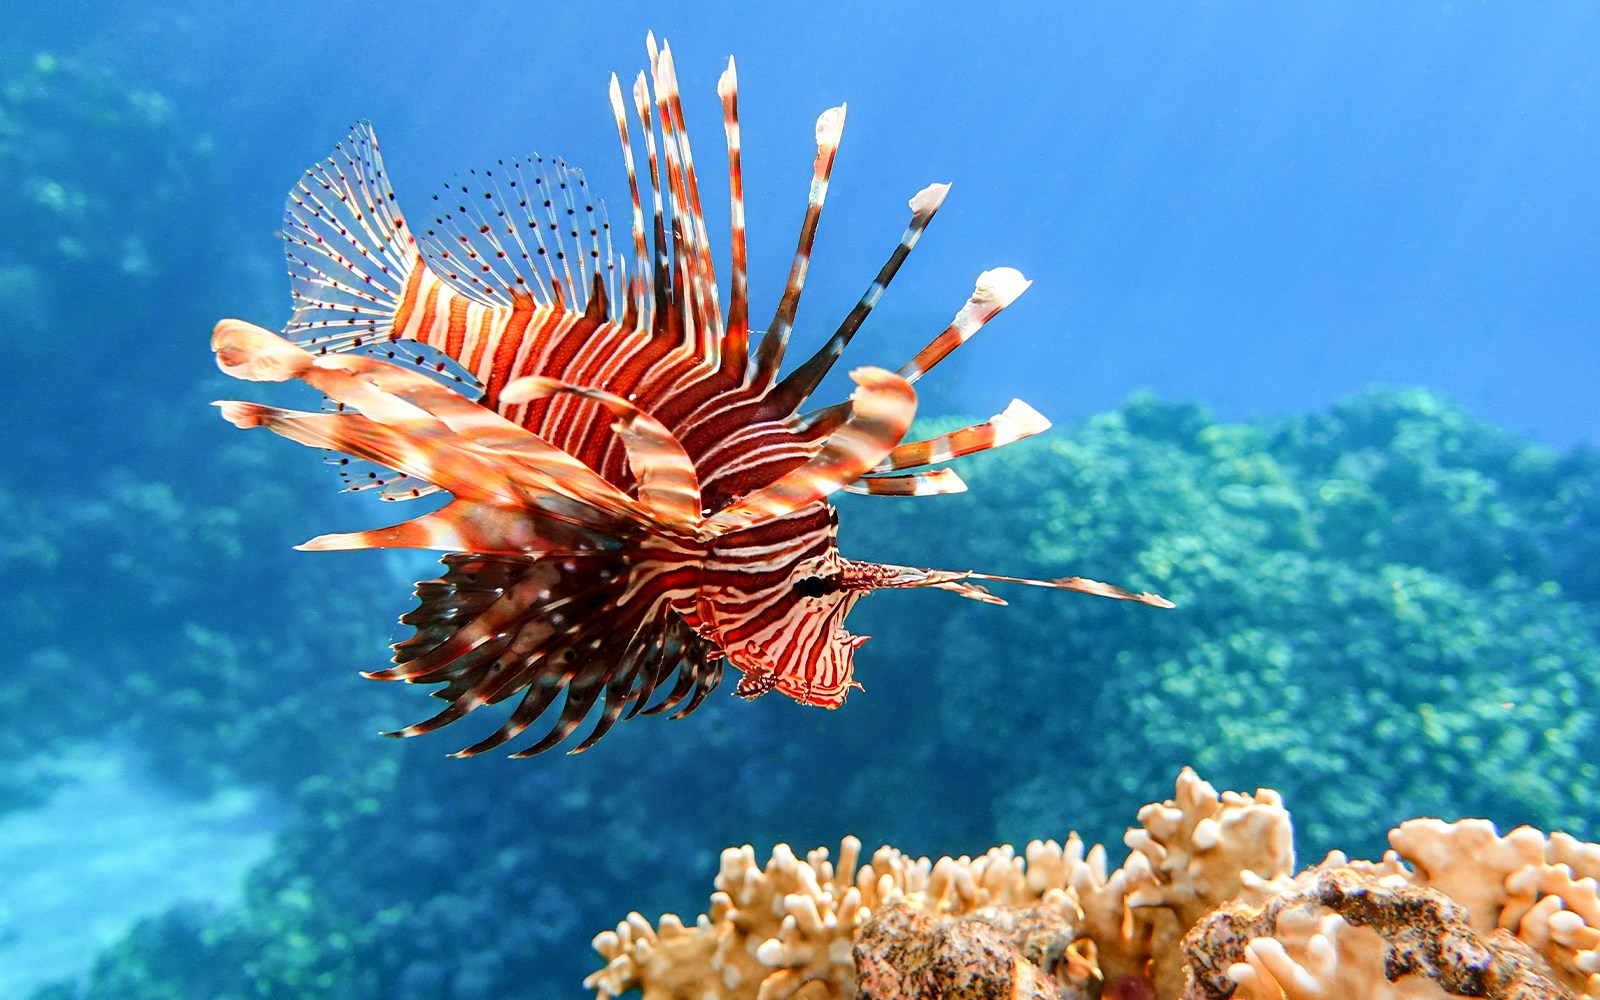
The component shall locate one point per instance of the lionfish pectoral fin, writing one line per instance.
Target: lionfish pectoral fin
(247, 351)
(469, 526)
(532, 630)
(933, 482)
(435, 457)
(669, 489)
(881, 411)
(1017, 421)
(415, 425)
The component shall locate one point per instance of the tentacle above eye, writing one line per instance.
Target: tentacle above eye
(883, 576)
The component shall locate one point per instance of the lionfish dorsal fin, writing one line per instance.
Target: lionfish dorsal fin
(666, 481)
(736, 339)
(527, 227)
(769, 353)
(637, 310)
(790, 394)
(994, 291)
(881, 410)
(349, 250)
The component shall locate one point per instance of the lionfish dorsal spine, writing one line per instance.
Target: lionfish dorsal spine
(736, 340)
(687, 286)
(769, 353)
(706, 310)
(927, 483)
(638, 309)
(791, 393)
(1017, 421)
(994, 291)
(881, 410)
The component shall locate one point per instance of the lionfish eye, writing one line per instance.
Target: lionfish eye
(815, 586)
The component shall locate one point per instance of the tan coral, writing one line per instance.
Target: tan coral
(1196, 851)
(1523, 883)
(1449, 902)
(772, 933)
(1344, 933)
(905, 954)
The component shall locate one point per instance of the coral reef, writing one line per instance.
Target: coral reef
(1205, 907)
(1388, 610)
(1386, 581)
(1343, 933)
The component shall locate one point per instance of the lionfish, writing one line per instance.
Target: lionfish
(636, 496)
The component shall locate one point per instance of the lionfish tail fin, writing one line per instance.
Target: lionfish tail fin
(527, 228)
(349, 250)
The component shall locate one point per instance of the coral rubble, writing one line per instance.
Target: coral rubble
(1206, 907)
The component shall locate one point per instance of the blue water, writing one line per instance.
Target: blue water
(1264, 209)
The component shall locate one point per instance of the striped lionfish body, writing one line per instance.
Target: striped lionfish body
(636, 497)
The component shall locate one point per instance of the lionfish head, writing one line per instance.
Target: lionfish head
(783, 629)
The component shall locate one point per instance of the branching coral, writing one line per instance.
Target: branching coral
(1390, 612)
(1205, 908)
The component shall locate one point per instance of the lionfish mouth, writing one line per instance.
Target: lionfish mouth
(637, 495)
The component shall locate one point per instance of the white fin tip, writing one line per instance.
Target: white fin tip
(1000, 287)
(928, 200)
(1019, 420)
(830, 125)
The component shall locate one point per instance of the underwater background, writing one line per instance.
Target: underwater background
(1316, 309)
